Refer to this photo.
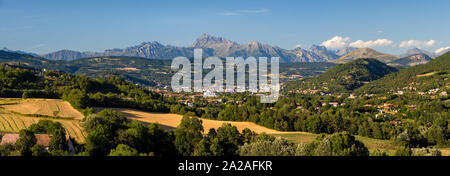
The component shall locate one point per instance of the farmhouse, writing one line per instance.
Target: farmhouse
(41, 139)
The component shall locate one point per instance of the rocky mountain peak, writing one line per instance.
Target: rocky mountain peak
(415, 50)
(208, 41)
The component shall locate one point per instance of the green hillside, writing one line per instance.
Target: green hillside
(421, 78)
(345, 77)
(149, 72)
(6, 57)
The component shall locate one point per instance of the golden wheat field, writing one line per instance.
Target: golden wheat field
(49, 107)
(171, 121)
(13, 122)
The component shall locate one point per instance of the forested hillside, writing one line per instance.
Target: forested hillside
(344, 77)
(421, 78)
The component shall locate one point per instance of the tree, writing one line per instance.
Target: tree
(6, 149)
(123, 150)
(46, 127)
(76, 98)
(436, 135)
(113, 119)
(426, 152)
(403, 151)
(229, 139)
(411, 137)
(378, 152)
(203, 148)
(102, 133)
(38, 150)
(188, 135)
(58, 141)
(91, 121)
(136, 136)
(277, 147)
(99, 141)
(25, 142)
(337, 144)
(248, 135)
(25, 94)
(264, 137)
(160, 137)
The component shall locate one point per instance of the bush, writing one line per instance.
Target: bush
(39, 150)
(403, 151)
(426, 152)
(188, 135)
(277, 147)
(6, 149)
(25, 142)
(337, 144)
(378, 152)
(123, 150)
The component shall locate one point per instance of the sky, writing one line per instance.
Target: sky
(391, 26)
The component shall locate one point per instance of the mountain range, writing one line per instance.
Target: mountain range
(366, 53)
(412, 60)
(222, 47)
(413, 57)
(415, 51)
(212, 46)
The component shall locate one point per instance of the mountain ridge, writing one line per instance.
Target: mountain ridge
(415, 51)
(366, 53)
(211, 45)
(412, 60)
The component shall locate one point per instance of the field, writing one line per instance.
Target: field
(171, 121)
(13, 122)
(387, 146)
(47, 107)
(384, 145)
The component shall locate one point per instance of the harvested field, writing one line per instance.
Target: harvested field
(13, 123)
(48, 107)
(426, 74)
(171, 121)
(129, 69)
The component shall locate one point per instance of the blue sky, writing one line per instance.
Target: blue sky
(391, 26)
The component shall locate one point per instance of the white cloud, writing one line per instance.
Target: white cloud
(229, 13)
(371, 43)
(40, 45)
(380, 31)
(417, 43)
(440, 50)
(298, 46)
(242, 12)
(336, 42)
(7, 29)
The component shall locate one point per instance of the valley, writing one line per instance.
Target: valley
(383, 110)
